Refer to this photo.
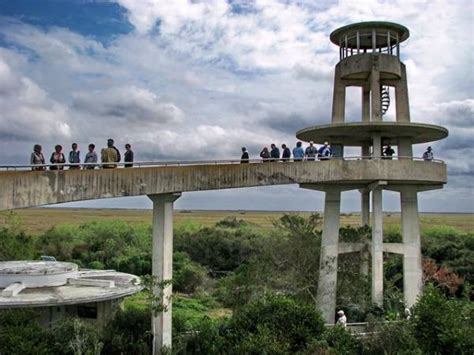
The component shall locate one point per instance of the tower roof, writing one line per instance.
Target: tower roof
(340, 34)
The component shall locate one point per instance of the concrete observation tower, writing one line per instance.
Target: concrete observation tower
(369, 54)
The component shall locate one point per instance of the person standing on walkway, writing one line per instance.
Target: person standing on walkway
(74, 157)
(128, 156)
(265, 155)
(109, 155)
(245, 156)
(91, 157)
(428, 155)
(311, 151)
(57, 157)
(286, 155)
(298, 152)
(37, 158)
(388, 152)
(324, 152)
(274, 153)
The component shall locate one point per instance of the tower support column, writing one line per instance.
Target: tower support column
(412, 268)
(329, 251)
(376, 103)
(401, 95)
(377, 246)
(339, 98)
(162, 266)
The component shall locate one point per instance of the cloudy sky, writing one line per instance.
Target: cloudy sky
(191, 80)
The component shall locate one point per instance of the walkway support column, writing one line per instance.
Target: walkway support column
(162, 266)
(328, 259)
(365, 213)
(377, 247)
(412, 268)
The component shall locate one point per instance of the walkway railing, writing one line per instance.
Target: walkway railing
(169, 163)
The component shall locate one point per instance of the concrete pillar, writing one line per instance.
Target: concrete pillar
(339, 98)
(162, 266)
(377, 246)
(365, 220)
(401, 97)
(365, 206)
(365, 103)
(412, 269)
(376, 103)
(376, 145)
(328, 260)
(405, 148)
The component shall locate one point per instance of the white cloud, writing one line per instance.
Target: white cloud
(129, 104)
(27, 111)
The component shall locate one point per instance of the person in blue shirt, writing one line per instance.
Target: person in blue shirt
(298, 152)
(324, 153)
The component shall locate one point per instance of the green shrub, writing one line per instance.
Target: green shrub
(72, 336)
(443, 325)
(391, 338)
(20, 333)
(276, 318)
(129, 332)
(340, 340)
(15, 245)
(217, 249)
(187, 274)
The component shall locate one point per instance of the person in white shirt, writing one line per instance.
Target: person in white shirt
(342, 320)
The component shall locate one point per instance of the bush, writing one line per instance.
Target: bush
(275, 318)
(218, 249)
(21, 334)
(391, 338)
(129, 332)
(187, 274)
(443, 325)
(15, 245)
(72, 336)
(339, 339)
(274, 324)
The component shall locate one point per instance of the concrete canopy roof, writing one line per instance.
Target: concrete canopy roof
(356, 133)
(366, 27)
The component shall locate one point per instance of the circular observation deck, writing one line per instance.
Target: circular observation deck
(369, 37)
(47, 283)
(358, 133)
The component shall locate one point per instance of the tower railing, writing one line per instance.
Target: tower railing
(374, 41)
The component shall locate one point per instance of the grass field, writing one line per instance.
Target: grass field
(37, 220)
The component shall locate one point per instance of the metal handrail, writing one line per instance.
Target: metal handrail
(168, 163)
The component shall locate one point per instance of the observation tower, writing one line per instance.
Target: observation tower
(369, 54)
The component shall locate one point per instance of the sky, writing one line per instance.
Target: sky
(197, 80)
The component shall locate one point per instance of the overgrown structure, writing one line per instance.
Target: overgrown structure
(369, 55)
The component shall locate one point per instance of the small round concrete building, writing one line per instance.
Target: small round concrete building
(57, 289)
(369, 54)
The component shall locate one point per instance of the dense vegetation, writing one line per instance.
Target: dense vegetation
(239, 289)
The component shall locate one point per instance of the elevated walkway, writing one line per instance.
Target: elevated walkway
(20, 188)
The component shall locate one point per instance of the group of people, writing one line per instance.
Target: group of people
(388, 152)
(110, 156)
(299, 154)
